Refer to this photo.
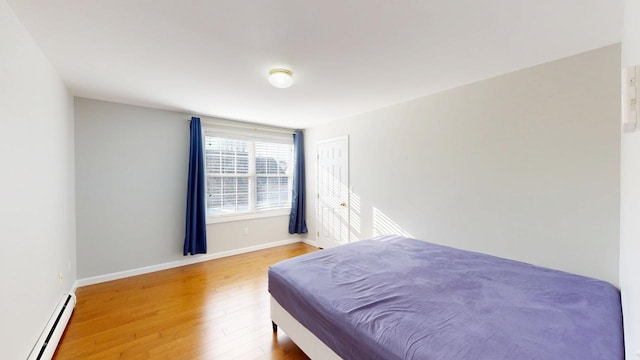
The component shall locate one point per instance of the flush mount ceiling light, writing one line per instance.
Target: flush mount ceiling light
(281, 78)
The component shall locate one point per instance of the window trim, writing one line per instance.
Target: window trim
(249, 215)
(249, 136)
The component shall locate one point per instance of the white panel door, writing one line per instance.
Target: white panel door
(333, 192)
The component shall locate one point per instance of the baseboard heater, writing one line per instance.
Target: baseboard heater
(48, 342)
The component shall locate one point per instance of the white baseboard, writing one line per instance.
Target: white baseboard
(74, 287)
(168, 265)
(310, 242)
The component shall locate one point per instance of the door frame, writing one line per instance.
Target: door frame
(348, 185)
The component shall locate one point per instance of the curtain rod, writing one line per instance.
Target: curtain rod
(247, 126)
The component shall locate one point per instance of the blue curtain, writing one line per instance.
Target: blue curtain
(297, 223)
(195, 239)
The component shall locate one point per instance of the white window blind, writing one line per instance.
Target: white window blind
(247, 172)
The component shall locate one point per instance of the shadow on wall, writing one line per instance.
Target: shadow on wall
(354, 216)
(383, 225)
(344, 223)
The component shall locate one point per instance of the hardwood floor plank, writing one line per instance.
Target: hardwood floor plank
(217, 309)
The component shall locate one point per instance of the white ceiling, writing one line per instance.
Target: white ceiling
(211, 57)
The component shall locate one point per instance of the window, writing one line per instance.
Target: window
(247, 174)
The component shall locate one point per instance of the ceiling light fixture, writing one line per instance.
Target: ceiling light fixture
(281, 78)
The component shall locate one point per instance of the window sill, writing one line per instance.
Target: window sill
(216, 219)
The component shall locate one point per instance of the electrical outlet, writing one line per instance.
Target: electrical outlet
(631, 105)
(60, 277)
(245, 231)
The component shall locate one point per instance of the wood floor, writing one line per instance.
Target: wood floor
(217, 309)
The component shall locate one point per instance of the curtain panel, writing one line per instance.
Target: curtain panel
(195, 240)
(297, 223)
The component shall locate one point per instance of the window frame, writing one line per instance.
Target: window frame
(252, 137)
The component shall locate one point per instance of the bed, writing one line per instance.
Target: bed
(398, 298)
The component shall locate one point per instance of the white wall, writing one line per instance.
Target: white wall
(523, 166)
(36, 189)
(131, 175)
(630, 198)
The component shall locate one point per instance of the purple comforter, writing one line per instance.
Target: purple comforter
(397, 298)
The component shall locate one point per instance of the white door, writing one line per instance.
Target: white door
(333, 192)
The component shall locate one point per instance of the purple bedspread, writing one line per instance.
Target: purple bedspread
(397, 298)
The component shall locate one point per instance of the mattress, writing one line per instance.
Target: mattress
(399, 298)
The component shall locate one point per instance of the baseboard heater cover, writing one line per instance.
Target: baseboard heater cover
(48, 342)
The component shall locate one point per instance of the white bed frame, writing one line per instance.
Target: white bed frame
(305, 339)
